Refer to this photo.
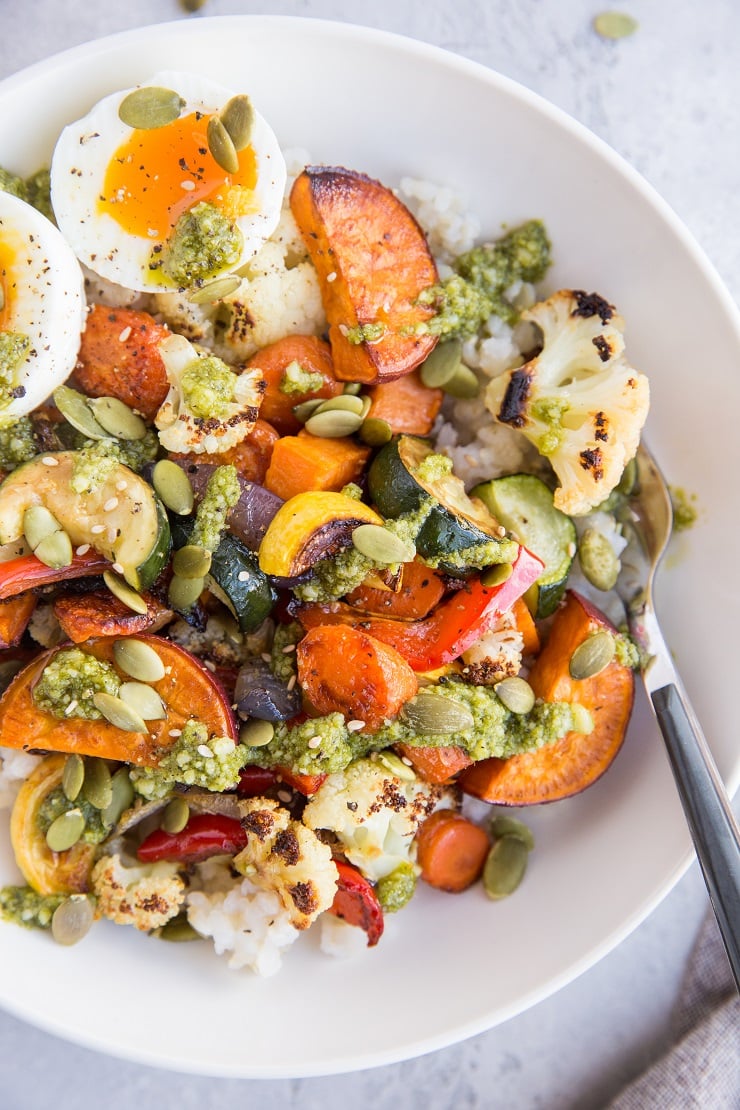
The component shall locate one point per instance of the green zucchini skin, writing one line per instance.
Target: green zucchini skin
(251, 598)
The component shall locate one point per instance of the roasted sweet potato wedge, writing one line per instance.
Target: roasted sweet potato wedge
(15, 613)
(575, 762)
(83, 616)
(409, 406)
(373, 261)
(313, 356)
(435, 764)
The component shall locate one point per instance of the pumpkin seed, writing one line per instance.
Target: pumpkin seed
(377, 543)
(442, 364)
(503, 825)
(118, 712)
(73, 776)
(598, 560)
(122, 796)
(150, 107)
(237, 116)
(176, 816)
(352, 388)
(97, 786)
(215, 290)
(306, 409)
(192, 561)
(256, 733)
(375, 432)
(64, 832)
(463, 383)
(178, 930)
(72, 919)
(615, 25)
(139, 660)
(592, 656)
(221, 146)
(173, 486)
(120, 589)
(495, 575)
(505, 866)
(144, 700)
(345, 402)
(184, 592)
(77, 412)
(117, 419)
(431, 713)
(38, 523)
(55, 550)
(396, 766)
(516, 694)
(333, 424)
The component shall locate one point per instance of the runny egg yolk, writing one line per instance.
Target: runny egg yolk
(158, 174)
(8, 278)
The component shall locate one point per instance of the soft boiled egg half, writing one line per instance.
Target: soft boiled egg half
(140, 191)
(42, 308)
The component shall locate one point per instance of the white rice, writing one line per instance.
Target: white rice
(15, 767)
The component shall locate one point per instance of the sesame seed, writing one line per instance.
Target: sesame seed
(355, 726)
(97, 529)
(71, 707)
(122, 485)
(405, 759)
(209, 666)
(332, 276)
(82, 549)
(288, 649)
(110, 505)
(204, 750)
(151, 232)
(291, 683)
(168, 670)
(501, 531)
(266, 657)
(118, 568)
(124, 334)
(188, 186)
(49, 460)
(314, 742)
(112, 535)
(285, 795)
(243, 575)
(175, 732)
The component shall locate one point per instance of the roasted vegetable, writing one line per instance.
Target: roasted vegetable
(84, 616)
(309, 527)
(304, 463)
(451, 851)
(295, 369)
(15, 613)
(406, 404)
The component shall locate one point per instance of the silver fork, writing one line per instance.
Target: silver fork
(705, 801)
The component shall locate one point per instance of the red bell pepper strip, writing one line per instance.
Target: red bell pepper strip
(254, 781)
(451, 629)
(206, 834)
(356, 903)
(27, 572)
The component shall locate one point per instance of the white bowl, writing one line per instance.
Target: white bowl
(448, 966)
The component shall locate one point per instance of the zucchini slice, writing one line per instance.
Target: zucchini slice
(524, 505)
(240, 583)
(122, 518)
(405, 474)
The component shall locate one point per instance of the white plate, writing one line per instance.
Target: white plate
(448, 967)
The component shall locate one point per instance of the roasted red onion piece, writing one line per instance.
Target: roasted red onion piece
(258, 693)
(254, 510)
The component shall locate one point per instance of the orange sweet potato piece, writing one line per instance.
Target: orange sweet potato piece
(409, 406)
(304, 462)
(187, 690)
(251, 457)
(119, 357)
(525, 624)
(451, 851)
(420, 589)
(15, 613)
(314, 356)
(373, 261)
(435, 764)
(343, 670)
(569, 765)
(84, 616)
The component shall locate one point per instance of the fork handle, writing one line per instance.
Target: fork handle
(707, 807)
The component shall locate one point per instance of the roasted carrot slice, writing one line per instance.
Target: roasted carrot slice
(15, 613)
(451, 851)
(251, 457)
(435, 764)
(409, 406)
(569, 765)
(187, 690)
(119, 357)
(420, 589)
(85, 616)
(373, 262)
(313, 356)
(305, 463)
(342, 669)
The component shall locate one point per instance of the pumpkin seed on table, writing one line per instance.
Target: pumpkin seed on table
(615, 25)
(122, 797)
(237, 116)
(118, 712)
(516, 694)
(598, 560)
(97, 786)
(121, 589)
(117, 419)
(191, 561)
(221, 145)
(592, 656)
(64, 832)
(256, 733)
(375, 432)
(55, 551)
(73, 775)
(431, 713)
(176, 816)
(76, 410)
(172, 485)
(72, 919)
(38, 523)
(504, 825)
(138, 659)
(380, 545)
(150, 107)
(184, 592)
(333, 424)
(505, 866)
(215, 290)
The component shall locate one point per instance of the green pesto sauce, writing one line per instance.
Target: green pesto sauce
(477, 556)
(10, 183)
(464, 301)
(69, 681)
(97, 457)
(17, 444)
(35, 190)
(685, 513)
(282, 661)
(208, 387)
(396, 890)
(193, 760)
(203, 243)
(24, 906)
(14, 348)
(221, 495)
(433, 468)
(352, 490)
(296, 381)
(626, 651)
(56, 803)
(364, 333)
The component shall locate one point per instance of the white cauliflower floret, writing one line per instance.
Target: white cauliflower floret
(146, 895)
(579, 401)
(208, 408)
(285, 857)
(497, 655)
(375, 813)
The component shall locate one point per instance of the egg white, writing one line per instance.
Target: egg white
(44, 299)
(80, 161)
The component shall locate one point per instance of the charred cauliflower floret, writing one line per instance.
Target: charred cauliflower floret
(208, 408)
(286, 857)
(375, 813)
(579, 401)
(145, 895)
(497, 655)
